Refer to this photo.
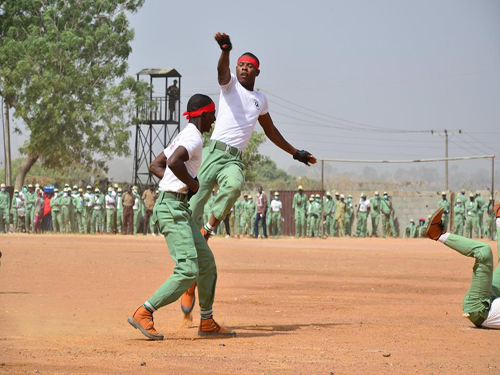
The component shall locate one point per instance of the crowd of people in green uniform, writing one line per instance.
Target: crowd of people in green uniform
(75, 210)
(36, 209)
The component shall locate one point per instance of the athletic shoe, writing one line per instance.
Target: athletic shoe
(496, 209)
(142, 320)
(435, 228)
(188, 299)
(210, 328)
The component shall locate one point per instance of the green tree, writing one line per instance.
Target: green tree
(62, 68)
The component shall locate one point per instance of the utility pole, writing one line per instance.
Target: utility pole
(446, 133)
(8, 174)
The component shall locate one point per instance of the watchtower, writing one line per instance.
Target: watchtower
(159, 120)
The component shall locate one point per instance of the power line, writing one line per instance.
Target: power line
(485, 145)
(286, 131)
(365, 127)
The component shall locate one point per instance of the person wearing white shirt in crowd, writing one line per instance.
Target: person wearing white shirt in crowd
(110, 210)
(362, 215)
(276, 207)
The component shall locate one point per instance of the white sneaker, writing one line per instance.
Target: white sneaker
(154, 234)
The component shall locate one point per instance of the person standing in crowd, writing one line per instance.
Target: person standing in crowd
(471, 210)
(137, 209)
(490, 216)
(481, 207)
(17, 204)
(309, 216)
(74, 196)
(79, 209)
(238, 210)
(362, 214)
(29, 214)
(462, 195)
(243, 220)
(261, 213)
(375, 213)
(96, 222)
(65, 203)
(149, 200)
(459, 217)
(39, 208)
(119, 210)
(128, 201)
(340, 210)
(299, 207)
(110, 210)
(349, 213)
(446, 206)
(276, 208)
(251, 212)
(55, 208)
(421, 226)
(386, 209)
(328, 210)
(88, 202)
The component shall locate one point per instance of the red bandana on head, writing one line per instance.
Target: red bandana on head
(208, 108)
(249, 59)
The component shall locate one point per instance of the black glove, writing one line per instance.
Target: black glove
(225, 43)
(190, 192)
(302, 156)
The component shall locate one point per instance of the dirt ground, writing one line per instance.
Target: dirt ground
(299, 306)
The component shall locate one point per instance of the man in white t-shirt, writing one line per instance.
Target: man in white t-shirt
(276, 207)
(362, 215)
(177, 167)
(240, 107)
(481, 304)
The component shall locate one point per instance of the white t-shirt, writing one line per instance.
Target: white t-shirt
(493, 319)
(190, 138)
(276, 206)
(238, 112)
(364, 204)
(110, 199)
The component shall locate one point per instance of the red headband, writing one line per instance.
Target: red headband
(249, 59)
(208, 108)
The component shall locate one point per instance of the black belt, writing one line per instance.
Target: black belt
(169, 194)
(214, 144)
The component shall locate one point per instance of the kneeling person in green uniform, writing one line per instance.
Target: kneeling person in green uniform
(481, 304)
(177, 167)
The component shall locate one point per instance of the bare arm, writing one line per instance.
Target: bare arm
(159, 165)
(223, 71)
(275, 136)
(177, 166)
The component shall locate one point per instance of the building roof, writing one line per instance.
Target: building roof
(162, 72)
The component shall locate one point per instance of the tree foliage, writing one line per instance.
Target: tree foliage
(62, 67)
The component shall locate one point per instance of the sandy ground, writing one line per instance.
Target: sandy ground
(335, 306)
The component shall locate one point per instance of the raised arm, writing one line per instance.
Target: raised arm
(275, 136)
(223, 71)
